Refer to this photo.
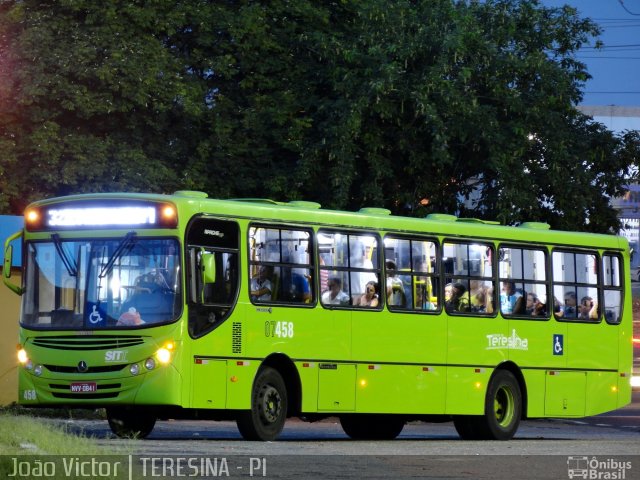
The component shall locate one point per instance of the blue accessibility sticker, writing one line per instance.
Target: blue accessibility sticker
(558, 344)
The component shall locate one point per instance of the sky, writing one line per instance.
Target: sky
(616, 67)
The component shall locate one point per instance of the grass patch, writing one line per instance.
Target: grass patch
(22, 435)
(64, 413)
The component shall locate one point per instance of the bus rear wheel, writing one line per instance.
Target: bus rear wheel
(268, 412)
(502, 411)
(130, 422)
(372, 427)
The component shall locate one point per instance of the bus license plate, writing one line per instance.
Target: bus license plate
(84, 387)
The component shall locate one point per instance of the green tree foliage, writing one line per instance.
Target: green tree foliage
(411, 105)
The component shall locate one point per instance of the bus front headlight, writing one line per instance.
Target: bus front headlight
(22, 356)
(164, 353)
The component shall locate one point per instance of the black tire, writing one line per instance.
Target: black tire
(372, 427)
(269, 404)
(130, 422)
(502, 411)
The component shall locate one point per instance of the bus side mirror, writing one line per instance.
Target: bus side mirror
(8, 255)
(8, 260)
(208, 265)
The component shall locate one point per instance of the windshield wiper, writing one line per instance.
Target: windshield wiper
(69, 264)
(125, 245)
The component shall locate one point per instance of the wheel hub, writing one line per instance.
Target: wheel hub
(271, 404)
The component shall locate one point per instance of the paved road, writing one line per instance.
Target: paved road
(541, 449)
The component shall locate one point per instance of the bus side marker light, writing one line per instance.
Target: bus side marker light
(32, 216)
(243, 363)
(374, 367)
(168, 213)
(427, 369)
(479, 370)
(614, 389)
(234, 379)
(363, 383)
(308, 365)
(478, 385)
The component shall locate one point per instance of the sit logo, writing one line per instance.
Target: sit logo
(115, 356)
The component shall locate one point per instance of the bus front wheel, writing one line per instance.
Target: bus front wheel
(502, 411)
(372, 427)
(268, 411)
(130, 423)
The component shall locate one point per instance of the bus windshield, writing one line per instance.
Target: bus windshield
(96, 284)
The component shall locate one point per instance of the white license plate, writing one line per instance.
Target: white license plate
(83, 387)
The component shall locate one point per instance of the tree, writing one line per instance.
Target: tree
(411, 105)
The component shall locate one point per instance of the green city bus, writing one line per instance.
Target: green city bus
(180, 306)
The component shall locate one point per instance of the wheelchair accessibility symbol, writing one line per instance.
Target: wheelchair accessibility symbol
(94, 316)
(558, 344)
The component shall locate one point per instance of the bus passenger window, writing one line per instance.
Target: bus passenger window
(280, 266)
(469, 286)
(612, 294)
(523, 282)
(411, 274)
(575, 286)
(349, 268)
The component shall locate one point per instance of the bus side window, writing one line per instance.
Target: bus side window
(612, 294)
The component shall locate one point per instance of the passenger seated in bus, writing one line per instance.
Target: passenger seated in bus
(511, 300)
(570, 307)
(370, 296)
(335, 295)
(395, 287)
(532, 300)
(299, 288)
(457, 301)
(261, 285)
(588, 309)
(482, 301)
(539, 307)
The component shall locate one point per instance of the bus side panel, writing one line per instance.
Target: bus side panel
(466, 389)
(308, 372)
(625, 351)
(565, 393)
(535, 382)
(542, 343)
(336, 387)
(476, 346)
(399, 337)
(400, 389)
(602, 392)
(240, 377)
(592, 346)
(386, 343)
(209, 386)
